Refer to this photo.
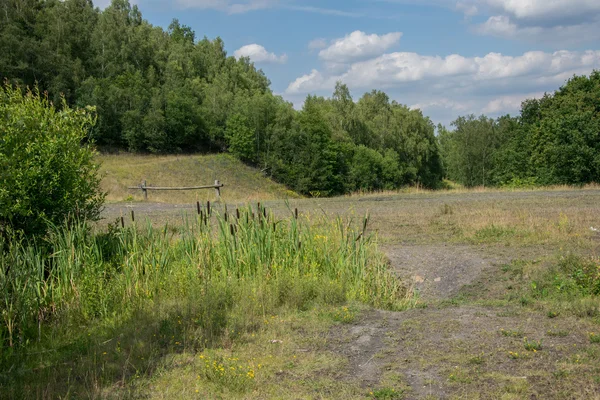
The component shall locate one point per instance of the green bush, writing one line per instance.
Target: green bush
(47, 169)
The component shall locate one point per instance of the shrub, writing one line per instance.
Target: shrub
(47, 169)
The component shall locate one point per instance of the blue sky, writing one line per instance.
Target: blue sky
(446, 57)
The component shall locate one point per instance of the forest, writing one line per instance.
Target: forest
(167, 91)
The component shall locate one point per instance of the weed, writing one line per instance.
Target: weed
(477, 359)
(386, 394)
(560, 373)
(493, 233)
(515, 355)
(563, 224)
(229, 372)
(344, 314)
(532, 345)
(446, 209)
(557, 333)
(594, 337)
(460, 376)
(511, 333)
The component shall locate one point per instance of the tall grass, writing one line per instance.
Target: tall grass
(237, 268)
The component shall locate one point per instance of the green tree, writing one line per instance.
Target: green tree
(47, 169)
(469, 150)
(240, 138)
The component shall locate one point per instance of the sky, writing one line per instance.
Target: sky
(446, 57)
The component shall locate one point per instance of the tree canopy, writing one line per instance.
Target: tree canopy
(554, 140)
(165, 91)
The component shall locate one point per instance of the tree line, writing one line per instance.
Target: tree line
(164, 91)
(554, 140)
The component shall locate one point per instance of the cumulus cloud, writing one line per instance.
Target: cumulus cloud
(313, 82)
(502, 26)
(510, 103)
(358, 46)
(444, 103)
(455, 84)
(397, 68)
(555, 22)
(259, 54)
(552, 10)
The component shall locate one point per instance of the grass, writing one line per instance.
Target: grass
(113, 308)
(153, 349)
(242, 183)
(532, 345)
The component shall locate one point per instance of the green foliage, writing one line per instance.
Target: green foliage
(249, 267)
(47, 172)
(164, 91)
(584, 274)
(553, 141)
(468, 150)
(240, 138)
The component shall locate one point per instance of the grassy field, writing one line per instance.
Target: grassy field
(242, 183)
(484, 294)
(506, 301)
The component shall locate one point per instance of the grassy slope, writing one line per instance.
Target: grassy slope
(242, 183)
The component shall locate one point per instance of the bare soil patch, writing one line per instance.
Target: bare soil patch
(445, 351)
(461, 352)
(440, 271)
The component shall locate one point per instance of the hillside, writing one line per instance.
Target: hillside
(242, 183)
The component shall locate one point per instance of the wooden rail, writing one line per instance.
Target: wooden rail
(144, 188)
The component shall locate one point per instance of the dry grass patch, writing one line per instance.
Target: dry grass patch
(243, 183)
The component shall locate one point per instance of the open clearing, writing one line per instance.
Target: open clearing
(470, 259)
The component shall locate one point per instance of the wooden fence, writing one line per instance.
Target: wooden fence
(144, 188)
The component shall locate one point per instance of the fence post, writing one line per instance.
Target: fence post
(218, 189)
(145, 191)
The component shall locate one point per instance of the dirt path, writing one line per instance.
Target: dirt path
(445, 351)
(440, 271)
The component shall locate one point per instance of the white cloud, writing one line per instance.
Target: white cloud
(503, 26)
(555, 22)
(259, 54)
(358, 46)
(468, 9)
(313, 82)
(398, 68)
(444, 103)
(547, 9)
(509, 103)
(448, 86)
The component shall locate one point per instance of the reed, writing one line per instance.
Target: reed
(246, 265)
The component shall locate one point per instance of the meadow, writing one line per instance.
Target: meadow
(413, 294)
(84, 309)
